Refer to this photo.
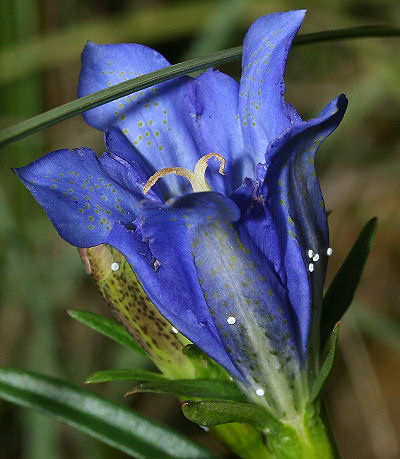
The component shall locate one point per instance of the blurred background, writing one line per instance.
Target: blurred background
(41, 276)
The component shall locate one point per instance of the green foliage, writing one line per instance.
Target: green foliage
(341, 291)
(326, 368)
(367, 72)
(197, 388)
(109, 422)
(212, 413)
(123, 375)
(106, 327)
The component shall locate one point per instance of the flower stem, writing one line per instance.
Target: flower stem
(243, 440)
(308, 437)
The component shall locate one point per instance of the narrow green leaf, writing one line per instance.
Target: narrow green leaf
(106, 327)
(55, 115)
(326, 367)
(213, 413)
(348, 33)
(123, 375)
(62, 112)
(341, 291)
(109, 422)
(200, 388)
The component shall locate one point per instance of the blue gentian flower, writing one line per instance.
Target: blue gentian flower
(236, 262)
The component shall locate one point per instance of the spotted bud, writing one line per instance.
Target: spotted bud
(122, 291)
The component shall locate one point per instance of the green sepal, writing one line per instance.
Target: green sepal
(114, 424)
(326, 368)
(205, 366)
(215, 412)
(198, 388)
(318, 433)
(341, 291)
(106, 327)
(124, 375)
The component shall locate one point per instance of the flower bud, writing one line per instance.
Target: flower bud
(122, 291)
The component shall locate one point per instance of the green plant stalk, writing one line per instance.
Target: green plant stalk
(307, 437)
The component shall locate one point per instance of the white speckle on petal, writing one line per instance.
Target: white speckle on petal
(316, 257)
(156, 264)
(260, 392)
(231, 320)
(310, 253)
(114, 266)
(174, 330)
(329, 251)
(311, 267)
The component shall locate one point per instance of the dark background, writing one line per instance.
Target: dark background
(41, 276)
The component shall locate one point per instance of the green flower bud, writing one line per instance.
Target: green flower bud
(123, 292)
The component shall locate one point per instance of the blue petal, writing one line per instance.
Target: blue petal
(211, 109)
(78, 195)
(151, 119)
(200, 275)
(126, 167)
(264, 113)
(159, 253)
(291, 194)
(250, 307)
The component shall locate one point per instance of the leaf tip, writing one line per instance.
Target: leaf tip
(131, 392)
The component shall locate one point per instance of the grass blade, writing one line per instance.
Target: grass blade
(123, 375)
(109, 422)
(65, 111)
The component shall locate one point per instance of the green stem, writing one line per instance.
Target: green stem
(243, 440)
(307, 437)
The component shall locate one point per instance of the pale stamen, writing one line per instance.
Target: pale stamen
(196, 178)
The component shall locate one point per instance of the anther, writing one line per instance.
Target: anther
(310, 253)
(231, 320)
(316, 257)
(260, 392)
(311, 267)
(174, 330)
(329, 251)
(196, 178)
(114, 266)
